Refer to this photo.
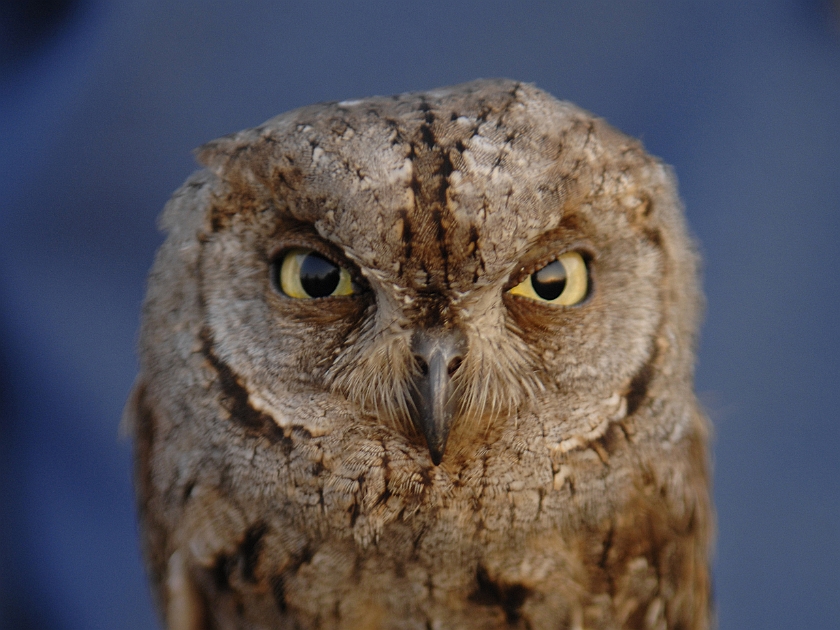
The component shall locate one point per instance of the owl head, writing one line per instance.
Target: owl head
(440, 266)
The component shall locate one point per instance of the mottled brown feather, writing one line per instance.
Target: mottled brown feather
(281, 480)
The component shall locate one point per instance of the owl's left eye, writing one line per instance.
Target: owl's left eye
(304, 273)
(564, 281)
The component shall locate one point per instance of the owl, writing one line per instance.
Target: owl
(424, 362)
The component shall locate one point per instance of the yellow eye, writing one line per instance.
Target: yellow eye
(304, 273)
(564, 281)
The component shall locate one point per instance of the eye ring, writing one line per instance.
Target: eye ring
(304, 273)
(563, 281)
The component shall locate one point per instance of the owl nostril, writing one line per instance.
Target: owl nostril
(422, 365)
(453, 366)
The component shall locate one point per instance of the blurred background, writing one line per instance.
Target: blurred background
(102, 102)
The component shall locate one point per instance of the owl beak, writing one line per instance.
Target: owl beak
(438, 355)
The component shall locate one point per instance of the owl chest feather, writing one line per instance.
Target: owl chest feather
(355, 529)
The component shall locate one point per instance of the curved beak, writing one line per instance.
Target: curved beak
(438, 354)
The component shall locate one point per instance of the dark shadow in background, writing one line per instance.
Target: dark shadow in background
(28, 26)
(28, 29)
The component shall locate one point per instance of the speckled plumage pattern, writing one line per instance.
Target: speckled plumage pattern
(280, 480)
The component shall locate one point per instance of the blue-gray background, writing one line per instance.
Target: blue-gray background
(102, 102)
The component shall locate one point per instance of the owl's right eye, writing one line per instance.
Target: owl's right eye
(304, 273)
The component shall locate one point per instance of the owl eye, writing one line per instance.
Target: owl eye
(564, 281)
(304, 273)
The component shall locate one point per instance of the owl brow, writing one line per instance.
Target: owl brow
(550, 245)
(305, 234)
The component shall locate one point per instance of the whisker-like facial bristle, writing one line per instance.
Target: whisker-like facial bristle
(495, 379)
(375, 373)
(378, 372)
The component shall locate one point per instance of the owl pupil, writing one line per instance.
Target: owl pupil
(549, 281)
(318, 276)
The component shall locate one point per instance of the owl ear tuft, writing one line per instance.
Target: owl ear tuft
(223, 154)
(216, 155)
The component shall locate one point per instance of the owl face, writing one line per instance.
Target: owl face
(441, 264)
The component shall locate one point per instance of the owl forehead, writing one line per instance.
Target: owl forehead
(429, 191)
(432, 200)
